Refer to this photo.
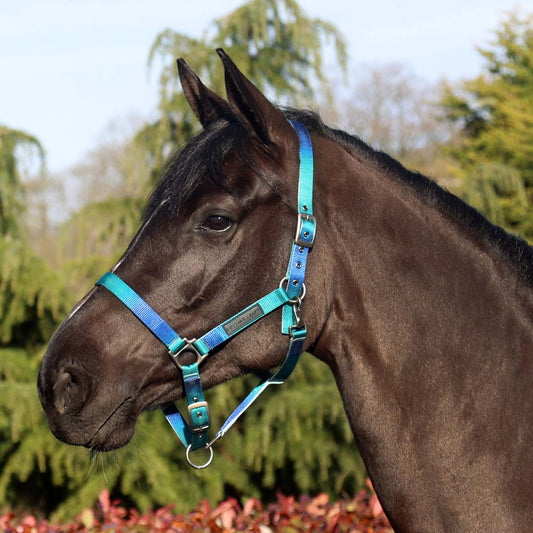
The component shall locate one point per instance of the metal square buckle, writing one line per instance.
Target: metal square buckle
(194, 427)
(187, 347)
(306, 230)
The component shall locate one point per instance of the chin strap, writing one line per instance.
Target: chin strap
(288, 296)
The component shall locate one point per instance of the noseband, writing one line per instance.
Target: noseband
(288, 296)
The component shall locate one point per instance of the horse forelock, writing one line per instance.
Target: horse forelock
(201, 158)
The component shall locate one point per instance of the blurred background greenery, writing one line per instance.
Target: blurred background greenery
(475, 137)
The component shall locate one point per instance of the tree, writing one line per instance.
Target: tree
(269, 449)
(112, 183)
(495, 114)
(13, 143)
(112, 169)
(94, 238)
(274, 43)
(32, 298)
(393, 110)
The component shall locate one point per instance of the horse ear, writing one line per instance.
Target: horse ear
(251, 106)
(206, 105)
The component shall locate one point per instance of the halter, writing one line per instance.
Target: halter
(288, 296)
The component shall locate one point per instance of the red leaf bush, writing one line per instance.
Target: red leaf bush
(288, 514)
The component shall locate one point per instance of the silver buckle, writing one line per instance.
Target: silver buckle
(305, 238)
(198, 405)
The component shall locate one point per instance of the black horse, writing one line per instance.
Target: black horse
(422, 309)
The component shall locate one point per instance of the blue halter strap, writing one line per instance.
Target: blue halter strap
(288, 296)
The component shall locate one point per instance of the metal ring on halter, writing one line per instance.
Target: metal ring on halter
(298, 299)
(194, 465)
(188, 347)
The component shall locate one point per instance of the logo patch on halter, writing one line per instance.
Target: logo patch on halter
(243, 319)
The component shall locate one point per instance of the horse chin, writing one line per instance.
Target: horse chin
(116, 430)
(106, 441)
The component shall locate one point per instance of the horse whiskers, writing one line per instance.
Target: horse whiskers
(93, 454)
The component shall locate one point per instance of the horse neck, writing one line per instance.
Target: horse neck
(426, 329)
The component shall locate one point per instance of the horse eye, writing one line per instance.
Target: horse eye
(217, 223)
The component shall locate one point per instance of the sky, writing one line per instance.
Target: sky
(68, 68)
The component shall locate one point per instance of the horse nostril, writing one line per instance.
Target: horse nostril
(68, 393)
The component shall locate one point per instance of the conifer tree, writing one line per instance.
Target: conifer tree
(297, 438)
(495, 114)
(274, 42)
(32, 299)
(94, 238)
(12, 142)
(29, 297)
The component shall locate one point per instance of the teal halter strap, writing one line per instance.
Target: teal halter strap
(288, 296)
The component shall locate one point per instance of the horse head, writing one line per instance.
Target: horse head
(215, 237)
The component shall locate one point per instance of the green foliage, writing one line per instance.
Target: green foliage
(295, 439)
(303, 436)
(11, 191)
(29, 454)
(498, 191)
(94, 238)
(495, 114)
(274, 43)
(101, 228)
(32, 298)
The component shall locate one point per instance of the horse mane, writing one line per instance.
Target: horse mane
(206, 152)
(511, 248)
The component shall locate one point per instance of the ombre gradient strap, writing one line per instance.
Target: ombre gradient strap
(244, 318)
(294, 351)
(296, 346)
(213, 338)
(305, 182)
(193, 435)
(306, 227)
(139, 308)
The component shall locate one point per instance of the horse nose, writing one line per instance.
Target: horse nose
(69, 393)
